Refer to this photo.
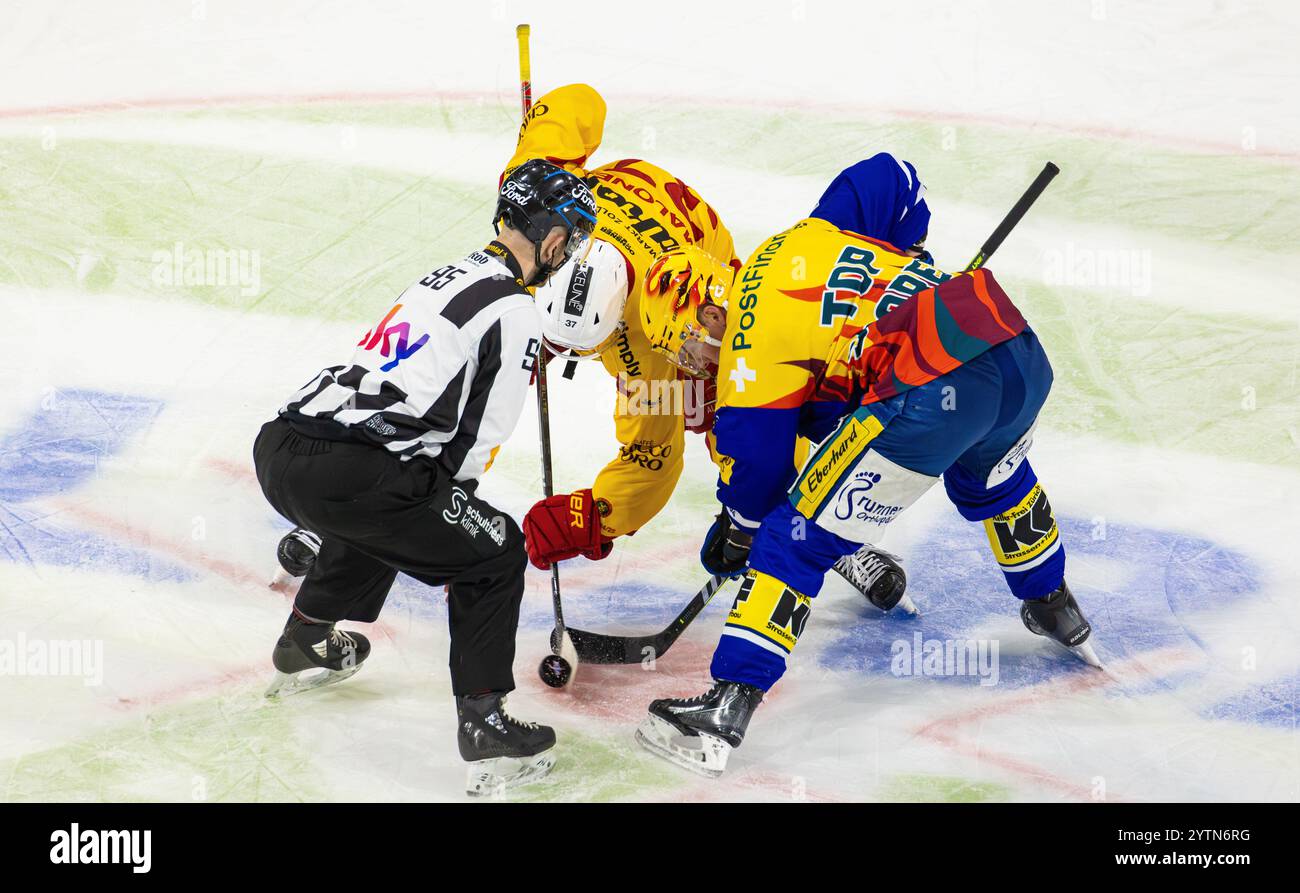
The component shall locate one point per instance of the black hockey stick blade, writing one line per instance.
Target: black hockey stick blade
(1017, 211)
(599, 648)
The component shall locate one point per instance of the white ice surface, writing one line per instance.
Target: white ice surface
(178, 715)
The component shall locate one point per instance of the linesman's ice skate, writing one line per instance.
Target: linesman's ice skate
(502, 752)
(304, 647)
(296, 552)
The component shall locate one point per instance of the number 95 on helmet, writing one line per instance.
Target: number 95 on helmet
(684, 296)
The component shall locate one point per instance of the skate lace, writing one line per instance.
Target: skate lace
(865, 566)
(700, 699)
(342, 640)
(307, 538)
(519, 722)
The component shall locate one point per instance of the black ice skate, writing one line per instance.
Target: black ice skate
(502, 752)
(307, 646)
(699, 733)
(877, 575)
(1057, 616)
(296, 553)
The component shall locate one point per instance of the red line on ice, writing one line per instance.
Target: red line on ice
(229, 99)
(907, 114)
(239, 675)
(235, 470)
(146, 539)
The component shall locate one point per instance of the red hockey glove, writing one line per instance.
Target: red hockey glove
(565, 526)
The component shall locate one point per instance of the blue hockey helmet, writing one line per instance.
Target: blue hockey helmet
(881, 198)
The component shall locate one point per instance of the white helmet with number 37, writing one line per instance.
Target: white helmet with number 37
(582, 304)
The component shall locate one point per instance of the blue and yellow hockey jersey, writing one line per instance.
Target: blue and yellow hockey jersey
(801, 292)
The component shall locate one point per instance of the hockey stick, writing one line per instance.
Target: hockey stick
(556, 668)
(995, 240)
(598, 648)
(1013, 217)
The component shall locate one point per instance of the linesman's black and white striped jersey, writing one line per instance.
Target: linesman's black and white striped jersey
(444, 374)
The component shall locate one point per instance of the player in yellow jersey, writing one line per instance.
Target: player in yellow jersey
(644, 211)
(856, 345)
(592, 309)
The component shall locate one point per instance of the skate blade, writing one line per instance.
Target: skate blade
(1086, 653)
(284, 583)
(704, 754)
(286, 684)
(907, 606)
(487, 778)
(1083, 651)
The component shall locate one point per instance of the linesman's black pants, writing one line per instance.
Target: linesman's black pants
(377, 515)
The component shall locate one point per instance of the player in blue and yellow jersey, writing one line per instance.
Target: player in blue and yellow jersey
(900, 373)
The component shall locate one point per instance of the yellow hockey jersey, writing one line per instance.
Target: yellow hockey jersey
(796, 297)
(645, 211)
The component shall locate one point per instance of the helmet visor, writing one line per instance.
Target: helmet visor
(578, 245)
(698, 355)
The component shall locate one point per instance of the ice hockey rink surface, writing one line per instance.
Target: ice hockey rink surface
(339, 152)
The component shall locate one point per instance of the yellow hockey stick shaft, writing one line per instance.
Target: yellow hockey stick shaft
(525, 69)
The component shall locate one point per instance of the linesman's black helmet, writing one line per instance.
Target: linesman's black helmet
(537, 196)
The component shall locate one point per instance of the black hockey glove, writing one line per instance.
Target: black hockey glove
(726, 548)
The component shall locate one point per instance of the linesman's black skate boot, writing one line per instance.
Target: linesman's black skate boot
(1057, 616)
(305, 646)
(297, 551)
(699, 733)
(502, 752)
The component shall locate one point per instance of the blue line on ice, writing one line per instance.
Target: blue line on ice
(57, 449)
(1159, 585)
(1274, 703)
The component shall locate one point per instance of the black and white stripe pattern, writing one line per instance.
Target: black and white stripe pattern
(453, 397)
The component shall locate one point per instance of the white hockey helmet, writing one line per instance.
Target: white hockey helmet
(582, 304)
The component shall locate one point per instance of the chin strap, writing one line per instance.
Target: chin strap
(544, 270)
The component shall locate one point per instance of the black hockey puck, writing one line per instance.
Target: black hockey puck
(555, 671)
